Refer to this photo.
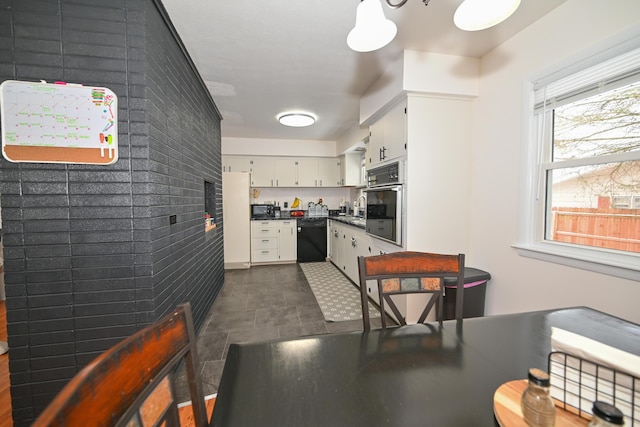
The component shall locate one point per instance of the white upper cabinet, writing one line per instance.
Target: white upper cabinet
(307, 169)
(271, 171)
(285, 172)
(262, 171)
(351, 169)
(388, 136)
(328, 172)
(236, 164)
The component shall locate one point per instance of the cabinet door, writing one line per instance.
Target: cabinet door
(376, 143)
(395, 132)
(288, 241)
(307, 172)
(236, 164)
(338, 246)
(351, 169)
(388, 136)
(285, 172)
(351, 244)
(328, 172)
(262, 170)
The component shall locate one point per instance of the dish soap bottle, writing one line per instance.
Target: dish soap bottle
(537, 406)
(606, 415)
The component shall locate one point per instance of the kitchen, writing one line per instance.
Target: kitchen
(483, 213)
(484, 209)
(391, 133)
(463, 216)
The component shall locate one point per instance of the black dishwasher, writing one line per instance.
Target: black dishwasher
(312, 239)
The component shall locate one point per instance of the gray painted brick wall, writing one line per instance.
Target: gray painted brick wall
(90, 256)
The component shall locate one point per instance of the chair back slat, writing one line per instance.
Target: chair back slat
(112, 388)
(411, 262)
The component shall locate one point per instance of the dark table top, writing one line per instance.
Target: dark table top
(418, 375)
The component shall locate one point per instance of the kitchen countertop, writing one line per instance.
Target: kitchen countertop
(354, 221)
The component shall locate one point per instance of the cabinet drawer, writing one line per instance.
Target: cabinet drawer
(262, 232)
(264, 243)
(264, 255)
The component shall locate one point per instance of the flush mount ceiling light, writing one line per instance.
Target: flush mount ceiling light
(474, 15)
(297, 120)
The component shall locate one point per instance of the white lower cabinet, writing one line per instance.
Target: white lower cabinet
(347, 244)
(287, 240)
(337, 244)
(273, 241)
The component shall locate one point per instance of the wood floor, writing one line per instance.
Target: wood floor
(5, 397)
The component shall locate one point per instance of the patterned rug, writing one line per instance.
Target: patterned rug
(339, 300)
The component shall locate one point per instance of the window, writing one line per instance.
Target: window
(584, 164)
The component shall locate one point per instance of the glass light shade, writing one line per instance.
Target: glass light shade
(373, 30)
(474, 15)
(297, 120)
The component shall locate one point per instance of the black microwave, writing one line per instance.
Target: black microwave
(263, 211)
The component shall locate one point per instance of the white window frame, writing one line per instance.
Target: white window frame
(531, 241)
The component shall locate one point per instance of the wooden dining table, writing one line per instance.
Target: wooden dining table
(416, 375)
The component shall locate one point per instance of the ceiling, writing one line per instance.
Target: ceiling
(262, 58)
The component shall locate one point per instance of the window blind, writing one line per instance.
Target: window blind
(610, 74)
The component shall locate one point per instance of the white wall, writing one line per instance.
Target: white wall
(438, 139)
(519, 283)
(278, 147)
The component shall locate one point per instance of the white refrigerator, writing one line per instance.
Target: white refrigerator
(237, 219)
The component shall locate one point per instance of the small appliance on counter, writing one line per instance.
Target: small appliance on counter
(276, 212)
(262, 211)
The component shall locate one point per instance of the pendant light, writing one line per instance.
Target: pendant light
(475, 15)
(372, 30)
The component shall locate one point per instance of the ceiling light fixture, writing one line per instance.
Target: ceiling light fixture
(374, 31)
(475, 15)
(297, 120)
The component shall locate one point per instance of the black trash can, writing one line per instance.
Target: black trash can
(475, 287)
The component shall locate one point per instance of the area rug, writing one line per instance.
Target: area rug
(339, 300)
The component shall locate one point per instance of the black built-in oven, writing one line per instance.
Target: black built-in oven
(385, 203)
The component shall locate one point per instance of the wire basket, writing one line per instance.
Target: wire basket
(576, 383)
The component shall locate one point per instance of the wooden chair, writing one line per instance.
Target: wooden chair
(408, 273)
(132, 383)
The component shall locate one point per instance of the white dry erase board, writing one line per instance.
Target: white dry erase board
(58, 123)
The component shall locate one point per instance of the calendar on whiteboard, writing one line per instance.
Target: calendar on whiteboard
(58, 123)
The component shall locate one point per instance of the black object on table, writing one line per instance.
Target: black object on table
(417, 375)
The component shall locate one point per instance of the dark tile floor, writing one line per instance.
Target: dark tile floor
(259, 304)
